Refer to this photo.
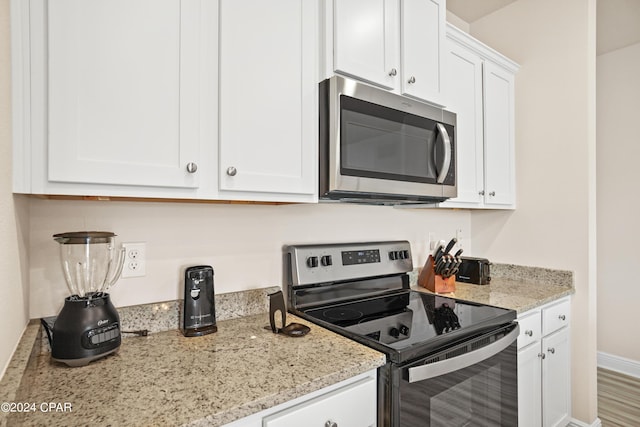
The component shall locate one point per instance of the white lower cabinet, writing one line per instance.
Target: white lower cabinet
(350, 403)
(544, 380)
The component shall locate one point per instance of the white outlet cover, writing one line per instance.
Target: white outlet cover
(134, 266)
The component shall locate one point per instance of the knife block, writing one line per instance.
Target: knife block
(434, 282)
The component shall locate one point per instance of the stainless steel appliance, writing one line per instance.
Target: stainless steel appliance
(198, 311)
(379, 147)
(449, 362)
(88, 326)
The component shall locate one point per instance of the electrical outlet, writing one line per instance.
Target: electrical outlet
(460, 238)
(135, 264)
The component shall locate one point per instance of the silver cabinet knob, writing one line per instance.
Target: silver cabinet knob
(493, 193)
(231, 171)
(551, 350)
(330, 423)
(192, 167)
(541, 355)
(481, 192)
(529, 332)
(412, 80)
(562, 317)
(393, 72)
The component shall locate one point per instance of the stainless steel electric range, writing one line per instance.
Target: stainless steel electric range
(449, 362)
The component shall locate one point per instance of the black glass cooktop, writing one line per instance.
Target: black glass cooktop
(410, 324)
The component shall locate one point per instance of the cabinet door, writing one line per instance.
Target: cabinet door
(555, 379)
(422, 41)
(499, 136)
(463, 86)
(529, 386)
(268, 130)
(123, 91)
(353, 406)
(366, 40)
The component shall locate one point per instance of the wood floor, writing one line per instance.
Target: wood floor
(618, 399)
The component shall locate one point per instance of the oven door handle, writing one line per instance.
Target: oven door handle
(443, 138)
(425, 372)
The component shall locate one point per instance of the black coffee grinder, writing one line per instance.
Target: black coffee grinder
(88, 326)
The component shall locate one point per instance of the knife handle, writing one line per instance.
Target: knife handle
(451, 245)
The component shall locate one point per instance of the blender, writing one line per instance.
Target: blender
(88, 326)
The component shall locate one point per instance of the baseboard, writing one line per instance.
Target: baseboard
(577, 423)
(619, 364)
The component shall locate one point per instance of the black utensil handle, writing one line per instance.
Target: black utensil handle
(451, 245)
(276, 302)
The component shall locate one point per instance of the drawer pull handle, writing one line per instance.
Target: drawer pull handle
(393, 72)
(562, 317)
(330, 424)
(541, 355)
(529, 332)
(231, 171)
(551, 350)
(412, 80)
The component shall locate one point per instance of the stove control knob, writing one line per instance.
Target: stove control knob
(312, 261)
(405, 254)
(404, 330)
(393, 255)
(394, 332)
(326, 260)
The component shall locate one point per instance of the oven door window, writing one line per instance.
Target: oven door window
(483, 394)
(380, 142)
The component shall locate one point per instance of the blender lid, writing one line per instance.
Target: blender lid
(83, 237)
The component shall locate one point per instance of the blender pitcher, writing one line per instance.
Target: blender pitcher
(88, 326)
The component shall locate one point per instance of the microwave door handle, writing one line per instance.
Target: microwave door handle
(443, 138)
(424, 372)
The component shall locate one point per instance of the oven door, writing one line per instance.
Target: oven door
(472, 384)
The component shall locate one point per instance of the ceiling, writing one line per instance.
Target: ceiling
(618, 21)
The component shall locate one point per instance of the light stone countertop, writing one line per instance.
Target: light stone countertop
(516, 287)
(167, 379)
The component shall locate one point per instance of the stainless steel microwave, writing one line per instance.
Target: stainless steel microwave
(381, 148)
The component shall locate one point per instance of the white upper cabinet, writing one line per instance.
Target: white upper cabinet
(117, 97)
(366, 40)
(185, 99)
(422, 27)
(268, 99)
(395, 44)
(479, 88)
(499, 182)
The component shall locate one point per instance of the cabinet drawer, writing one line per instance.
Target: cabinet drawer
(555, 317)
(353, 405)
(530, 329)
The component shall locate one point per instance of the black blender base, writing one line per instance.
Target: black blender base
(84, 361)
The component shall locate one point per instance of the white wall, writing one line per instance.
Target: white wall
(243, 243)
(13, 217)
(618, 149)
(554, 225)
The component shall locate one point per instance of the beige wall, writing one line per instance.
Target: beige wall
(13, 216)
(554, 225)
(242, 243)
(618, 173)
